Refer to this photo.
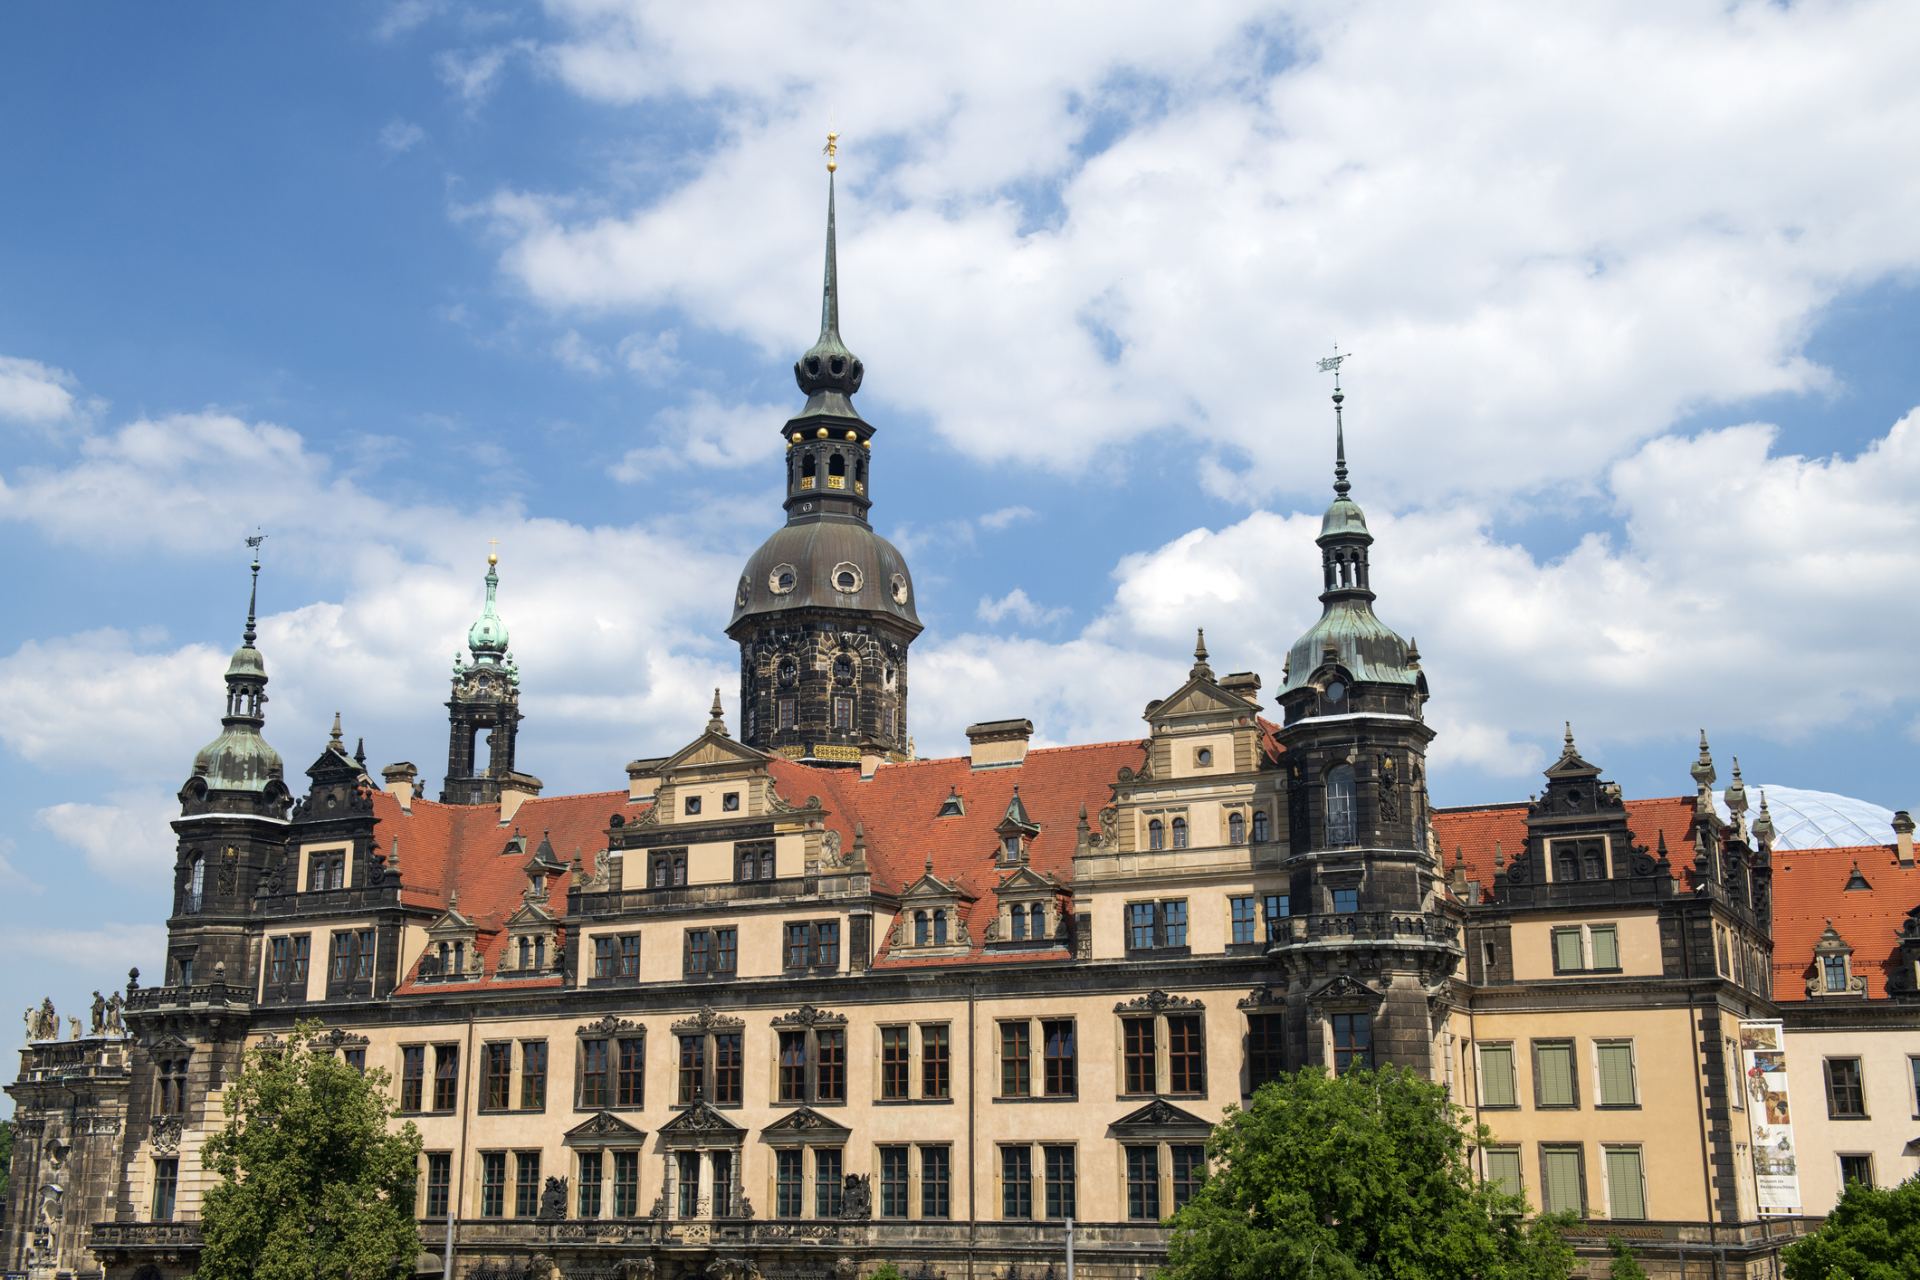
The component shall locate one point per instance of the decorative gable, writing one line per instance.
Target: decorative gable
(932, 921)
(805, 1127)
(1016, 831)
(1832, 970)
(453, 946)
(532, 939)
(700, 1126)
(1160, 1119)
(603, 1130)
(1030, 911)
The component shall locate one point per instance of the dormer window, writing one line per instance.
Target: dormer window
(952, 806)
(922, 934)
(533, 953)
(1010, 849)
(1834, 969)
(453, 958)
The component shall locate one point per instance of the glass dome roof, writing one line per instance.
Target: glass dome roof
(1816, 819)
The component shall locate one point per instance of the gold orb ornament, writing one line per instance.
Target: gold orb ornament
(822, 433)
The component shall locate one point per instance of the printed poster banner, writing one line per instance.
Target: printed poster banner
(1763, 1059)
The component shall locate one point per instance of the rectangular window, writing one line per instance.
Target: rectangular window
(1189, 1171)
(1140, 926)
(1352, 1041)
(753, 861)
(1173, 916)
(1186, 1054)
(493, 1184)
(696, 960)
(1554, 1081)
(1614, 1065)
(1137, 1049)
(1562, 1181)
(629, 1083)
(593, 1074)
(1856, 1168)
(1266, 1049)
(1346, 901)
(842, 711)
(1060, 1180)
(327, 870)
(1846, 1100)
(1143, 1183)
(446, 1076)
(1626, 1184)
(830, 1069)
(1016, 1061)
(413, 1071)
(787, 1184)
(1243, 919)
(1568, 955)
(893, 1182)
(629, 956)
(936, 1182)
(1913, 1068)
(787, 713)
(439, 1183)
(1277, 907)
(533, 1075)
(667, 868)
(933, 1061)
(896, 1053)
(1496, 1076)
(166, 1186)
(826, 944)
(728, 1061)
(799, 945)
(606, 955)
(496, 1076)
(589, 1200)
(1016, 1182)
(726, 950)
(722, 1162)
(1060, 1077)
(1503, 1169)
(355, 1058)
(526, 1184)
(626, 1184)
(793, 1066)
(693, 1069)
(829, 1182)
(172, 1079)
(1604, 941)
(687, 1183)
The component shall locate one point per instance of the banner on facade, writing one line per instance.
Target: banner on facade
(1763, 1061)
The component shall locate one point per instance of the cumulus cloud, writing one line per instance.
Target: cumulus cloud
(1017, 605)
(34, 393)
(577, 354)
(474, 74)
(708, 432)
(400, 136)
(127, 839)
(85, 954)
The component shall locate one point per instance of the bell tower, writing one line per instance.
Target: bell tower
(486, 699)
(1371, 946)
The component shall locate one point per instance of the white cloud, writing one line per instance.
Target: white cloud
(100, 699)
(1532, 223)
(1005, 517)
(34, 393)
(1016, 604)
(577, 354)
(474, 75)
(400, 136)
(127, 839)
(707, 432)
(403, 16)
(11, 877)
(106, 948)
(652, 357)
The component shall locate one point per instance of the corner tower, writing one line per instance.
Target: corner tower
(825, 610)
(486, 698)
(1372, 944)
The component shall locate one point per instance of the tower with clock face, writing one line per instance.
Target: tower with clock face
(825, 611)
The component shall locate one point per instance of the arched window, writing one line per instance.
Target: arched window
(196, 883)
(1179, 833)
(836, 465)
(1156, 834)
(1039, 923)
(1236, 828)
(1019, 923)
(1566, 862)
(808, 468)
(1340, 817)
(1593, 859)
(939, 928)
(860, 473)
(1259, 826)
(919, 928)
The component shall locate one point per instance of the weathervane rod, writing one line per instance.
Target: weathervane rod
(1332, 364)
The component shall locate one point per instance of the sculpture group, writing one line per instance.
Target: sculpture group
(108, 1019)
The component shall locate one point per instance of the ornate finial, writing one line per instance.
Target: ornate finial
(493, 551)
(1200, 667)
(334, 739)
(716, 719)
(1763, 831)
(1413, 652)
(1499, 858)
(832, 151)
(253, 595)
(828, 365)
(911, 753)
(1332, 364)
(1703, 771)
(360, 752)
(453, 900)
(393, 858)
(1569, 735)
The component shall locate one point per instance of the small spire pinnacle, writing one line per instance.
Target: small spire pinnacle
(334, 740)
(828, 366)
(830, 286)
(716, 717)
(1332, 364)
(1200, 667)
(248, 636)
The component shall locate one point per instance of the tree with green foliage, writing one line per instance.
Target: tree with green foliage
(1355, 1177)
(1872, 1234)
(1625, 1265)
(313, 1185)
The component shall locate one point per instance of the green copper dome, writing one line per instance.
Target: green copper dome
(488, 636)
(1344, 516)
(240, 759)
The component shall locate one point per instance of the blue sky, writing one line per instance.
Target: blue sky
(1632, 295)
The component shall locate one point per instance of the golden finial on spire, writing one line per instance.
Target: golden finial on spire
(832, 151)
(493, 551)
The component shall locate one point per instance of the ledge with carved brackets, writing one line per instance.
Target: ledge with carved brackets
(1157, 1001)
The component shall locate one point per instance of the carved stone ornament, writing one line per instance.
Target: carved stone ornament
(705, 1020)
(1343, 991)
(610, 1025)
(1263, 997)
(856, 1197)
(809, 1016)
(553, 1200)
(335, 1039)
(1157, 1001)
(164, 1134)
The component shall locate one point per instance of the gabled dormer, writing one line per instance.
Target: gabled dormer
(1831, 973)
(453, 947)
(1205, 728)
(1017, 831)
(1579, 848)
(533, 948)
(711, 779)
(932, 919)
(1029, 913)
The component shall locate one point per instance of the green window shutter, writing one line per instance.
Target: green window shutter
(1606, 947)
(1553, 1065)
(1496, 1075)
(1566, 950)
(1626, 1198)
(1616, 1075)
(1503, 1169)
(1560, 1173)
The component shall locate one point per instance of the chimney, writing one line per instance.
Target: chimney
(1244, 683)
(1903, 837)
(402, 781)
(994, 744)
(515, 790)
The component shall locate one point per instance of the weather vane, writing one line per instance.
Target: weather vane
(1333, 362)
(253, 543)
(832, 151)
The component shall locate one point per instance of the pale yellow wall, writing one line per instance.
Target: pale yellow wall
(761, 939)
(1886, 1055)
(319, 944)
(305, 861)
(1638, 933)
(1666, 1123)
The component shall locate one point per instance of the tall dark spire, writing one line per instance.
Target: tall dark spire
(828, 367)
(248, 636)
(1340, 484)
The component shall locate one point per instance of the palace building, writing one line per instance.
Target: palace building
(791, 1002)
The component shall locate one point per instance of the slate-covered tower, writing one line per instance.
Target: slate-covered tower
(825, 610)
(1371, 946)
(486, 698)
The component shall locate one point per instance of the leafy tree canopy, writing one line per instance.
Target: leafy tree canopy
(313, 1185)
(1625, 1266)
(1364, 1176)
(1872, 1234)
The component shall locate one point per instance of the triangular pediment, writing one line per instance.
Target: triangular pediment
(1025, 880)
(804, 1124)
(700, 1125)
(603, 1130)
(930, 885)
(1199, 696)
(1344, 989)
(450, 922)
(711, 750)
(1160, 1117)
(530, 915)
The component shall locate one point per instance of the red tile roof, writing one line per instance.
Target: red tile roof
(1475, 832)
(1810, 888)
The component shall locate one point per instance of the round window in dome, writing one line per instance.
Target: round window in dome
(1336, 693)
(899, 586)
(782, 580)
(846, 577)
